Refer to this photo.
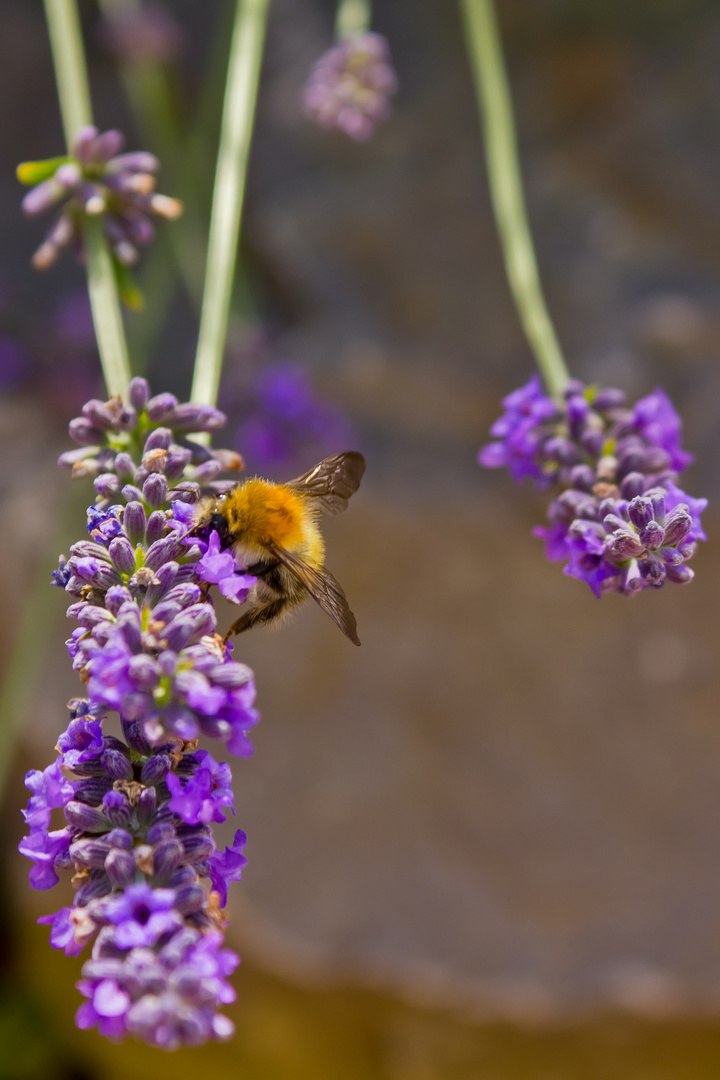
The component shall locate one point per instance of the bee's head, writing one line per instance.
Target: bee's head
(212, 519)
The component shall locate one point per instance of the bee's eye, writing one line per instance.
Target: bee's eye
(217, 521)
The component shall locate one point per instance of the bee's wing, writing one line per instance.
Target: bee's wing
(331, 483)
(322, 586)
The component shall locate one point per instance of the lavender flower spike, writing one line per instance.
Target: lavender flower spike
(96, 180)
(619, 520)
(131, 817)
(350, 86)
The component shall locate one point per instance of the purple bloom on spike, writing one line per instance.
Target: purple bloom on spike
(519, 432)
(227, 866)
(619, 518)
(219, 568)
(657, 421)
(148, 34)
(138, 809)
(351, 85)
(141, 915)
(51, 791)
(97, 181)
(45, 849)
(204, 795)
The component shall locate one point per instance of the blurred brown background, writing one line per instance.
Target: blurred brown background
(485, 845)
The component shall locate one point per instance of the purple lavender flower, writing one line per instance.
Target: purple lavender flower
(168, 997)
(138, 840)
(350, 86)
(96, 180)
(282, 420)
(226, 867)
(204, 794)
(219, 568)
(51, 791)
(148, 35)
(520, 432)
(138, 809)
(620, 521)
(140, 451)
(46, 849)
(656, 421)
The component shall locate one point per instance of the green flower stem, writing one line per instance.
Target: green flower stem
(235, 137)
(148, 90)
(353, 17)
(483, 42)
(73, 91)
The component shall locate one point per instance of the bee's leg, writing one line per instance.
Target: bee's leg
(258, 616)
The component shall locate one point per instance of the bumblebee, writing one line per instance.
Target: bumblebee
(272, 531)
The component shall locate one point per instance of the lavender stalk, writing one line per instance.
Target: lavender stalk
(353, 17)
(506, 190)
(235, 139)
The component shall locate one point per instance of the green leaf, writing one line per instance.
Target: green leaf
(34, 172)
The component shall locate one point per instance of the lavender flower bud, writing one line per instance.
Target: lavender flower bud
(610, 398)
(145, 809)
(116, 765)
(124, 466)
(122, 554)
(134, 522)
(162, 551)
(634, 484)
(160, 406)
(90, 853)
(138, 389)
(189, 899)
(120, 868)
(85, 818)
(83, 432)
(678, 525)
(163, 581)
(155, 769)
(156, 527)
(193, 622)
(640, 511)
(117, 809)
(144, 672)
(652, 535)
(155, 490)
(115, 597)
(167, 856)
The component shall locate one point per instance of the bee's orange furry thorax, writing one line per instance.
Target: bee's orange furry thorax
(259, 511)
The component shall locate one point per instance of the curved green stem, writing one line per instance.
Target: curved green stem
(235, 138)
(353, 17)
(72, 82)
(485, 50)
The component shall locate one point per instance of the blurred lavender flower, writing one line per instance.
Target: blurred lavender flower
(282, 421)
(620, 521)
(13, 362)
(148, 35)
(138, 809)
(351, 84)
(96, 180)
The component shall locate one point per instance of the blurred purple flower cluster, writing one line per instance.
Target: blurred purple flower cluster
(351, 84)
(96, 180)
(282, 423)
(147, 34)
(138, 808)
(620, 521)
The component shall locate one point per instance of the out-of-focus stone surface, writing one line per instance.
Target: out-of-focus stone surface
(509, 798)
